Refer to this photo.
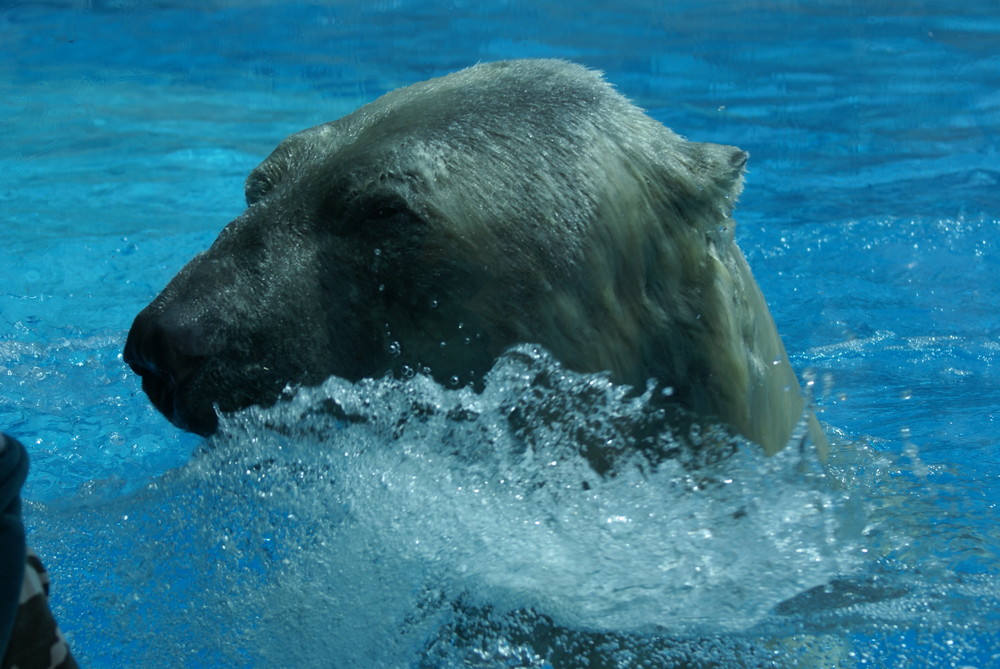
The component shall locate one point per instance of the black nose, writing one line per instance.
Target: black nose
(167, 351)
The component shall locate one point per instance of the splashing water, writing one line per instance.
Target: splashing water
(385, 521)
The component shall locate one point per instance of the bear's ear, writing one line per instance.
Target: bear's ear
(293, 150)
(700, 183)
(719, 169)
(266, 176)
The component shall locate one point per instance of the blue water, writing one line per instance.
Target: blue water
(871, 217)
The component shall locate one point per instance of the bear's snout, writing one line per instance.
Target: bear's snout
(166, 350)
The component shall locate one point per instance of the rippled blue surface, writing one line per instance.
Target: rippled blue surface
(870, 217)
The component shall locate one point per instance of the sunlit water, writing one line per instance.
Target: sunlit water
(398, 523)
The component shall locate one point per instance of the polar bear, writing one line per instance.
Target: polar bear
(432, 229)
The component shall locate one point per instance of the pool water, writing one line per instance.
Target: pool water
(870, 217)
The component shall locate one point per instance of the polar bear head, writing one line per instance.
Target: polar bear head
(430, 230)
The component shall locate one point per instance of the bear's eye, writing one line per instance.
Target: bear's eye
(386, 210)
(386, 214)
(375, 217)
